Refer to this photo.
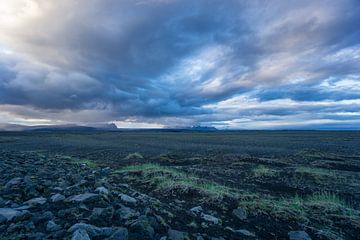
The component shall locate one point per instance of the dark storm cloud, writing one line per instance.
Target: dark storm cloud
(173, 59)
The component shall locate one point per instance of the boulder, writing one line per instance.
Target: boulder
(14, 182)
(141, 229)
(102, 190)
(36, 201)
(177, 235)
(298, 235)
(82, 198)
(51, 226)
(120, 234)
(11, 214)
(80, 234)
(57, 197)
(127, 199)
(240, 213)
(196, 210)
(211, 219)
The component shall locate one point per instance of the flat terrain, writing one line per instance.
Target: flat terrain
(182, 185)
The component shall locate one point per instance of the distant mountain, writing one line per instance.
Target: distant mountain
(50, 128)
(12, 127)
(203, 128)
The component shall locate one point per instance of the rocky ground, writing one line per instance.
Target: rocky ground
(44, 197)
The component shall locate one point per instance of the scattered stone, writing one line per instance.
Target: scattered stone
(2, 219)
(102, 216)
(80, 234)
(36, 201)
(125, 213)
(90, 229)
(240, 213)
(298, 235)
(10, 214)
(39, 218)
(196, 210)
(85, 197)
(120, 234)
(102, 190)
(244, 233)
(51, 226)
(127, 199)
(141, 229)
(177, 235)
(14, 182)
(211, 219)
(57, 197)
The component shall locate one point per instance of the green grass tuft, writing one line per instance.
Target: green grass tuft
(134, 155)
(168, 179)
(263, 171)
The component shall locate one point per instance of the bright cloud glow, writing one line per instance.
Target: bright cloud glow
(155, 64)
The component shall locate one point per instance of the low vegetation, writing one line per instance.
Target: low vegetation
(263, 171)
(168, 179)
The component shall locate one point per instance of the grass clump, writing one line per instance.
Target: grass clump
(325, 199)
(89, 163)
(167, 179)
(134, 155)
(318, 205)
(263, 171)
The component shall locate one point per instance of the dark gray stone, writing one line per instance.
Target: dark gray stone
(298, 235)
(120, 234)
(240, 213)
(51, 226)
(177, 235)
(85, 197)
(80, 234)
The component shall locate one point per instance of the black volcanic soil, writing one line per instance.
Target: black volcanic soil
(64, 185)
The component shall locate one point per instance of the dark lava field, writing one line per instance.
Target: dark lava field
(177, 185)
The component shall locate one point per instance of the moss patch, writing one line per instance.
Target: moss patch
(167, 179)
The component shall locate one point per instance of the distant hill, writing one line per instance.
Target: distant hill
(202, 128)
(50, 128)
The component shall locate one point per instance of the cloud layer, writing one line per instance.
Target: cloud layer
(237, 64)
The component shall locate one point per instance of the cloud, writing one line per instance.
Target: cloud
(175, 62)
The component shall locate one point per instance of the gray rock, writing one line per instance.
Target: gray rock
(57, 197)
(36, 201)
(244, 233)
(120, 234)
(211, 219)
(14, 182)
(125, 213)
(141, 229)
(42, 217)
(2, 219)
(127, 199)
(102, 190)
(102, 216)
(298, 235)
(80, 234)
(2, 202)
(240, 213)
(51, 226)
(196, 210)
(92, 230)
(24, 207)
(177, 235)
(11, 214)
(85, 197)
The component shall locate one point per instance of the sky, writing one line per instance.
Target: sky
(246, 64)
